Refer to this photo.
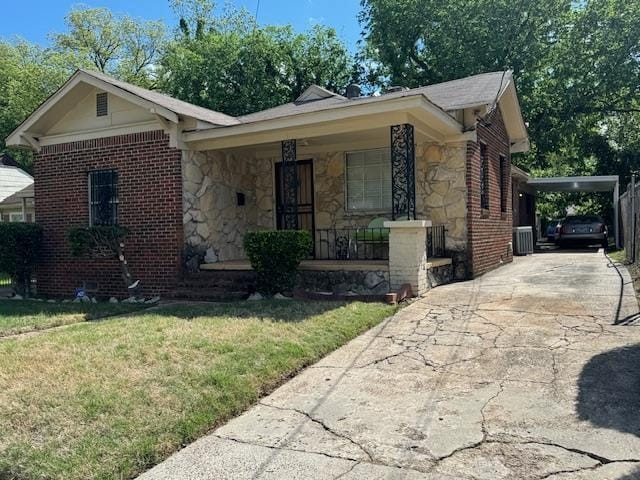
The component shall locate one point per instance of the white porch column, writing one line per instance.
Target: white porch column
(24, 209)
(408, 254)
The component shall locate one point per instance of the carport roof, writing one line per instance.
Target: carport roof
(605, 183)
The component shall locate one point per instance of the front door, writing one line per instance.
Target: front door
(305, 196)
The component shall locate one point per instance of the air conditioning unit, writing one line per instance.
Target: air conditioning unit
(523, 240)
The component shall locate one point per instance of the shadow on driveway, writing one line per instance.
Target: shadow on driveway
(609, 393)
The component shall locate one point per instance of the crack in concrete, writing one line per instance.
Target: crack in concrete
(284, 449)
(324, 426)
(349, 470)
(601, 460)
(578, 470)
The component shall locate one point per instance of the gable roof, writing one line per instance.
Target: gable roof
(173, 104)
(12, 180)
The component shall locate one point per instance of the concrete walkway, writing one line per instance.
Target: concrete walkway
(530, 372)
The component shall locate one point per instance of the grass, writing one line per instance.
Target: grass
(617, 256)
(109, 399)
(20, 316)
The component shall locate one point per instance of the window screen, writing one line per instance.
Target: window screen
(484, 177)
(504, 183)
(103, 197)
(369, 180)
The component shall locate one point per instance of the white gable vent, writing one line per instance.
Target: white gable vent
(102, 107)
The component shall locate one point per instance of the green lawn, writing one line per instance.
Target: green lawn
(18, 316)
(617, 256)
(108, 399)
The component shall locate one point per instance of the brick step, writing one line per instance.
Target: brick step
(210, 295)
(214, 283)
(228, 274)
(227, 279)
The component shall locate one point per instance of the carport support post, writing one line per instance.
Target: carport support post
(616, 227)
(408, 254)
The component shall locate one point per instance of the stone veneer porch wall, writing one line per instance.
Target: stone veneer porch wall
(441, 196)
(212, 220)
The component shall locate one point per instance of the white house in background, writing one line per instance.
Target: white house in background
(16, 192)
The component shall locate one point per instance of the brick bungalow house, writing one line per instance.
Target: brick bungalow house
(431, 163)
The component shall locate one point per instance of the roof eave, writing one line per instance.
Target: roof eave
(337, 112)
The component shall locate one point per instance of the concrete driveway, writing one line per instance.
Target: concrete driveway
(530, 372)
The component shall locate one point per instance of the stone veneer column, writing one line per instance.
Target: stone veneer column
(408, 254)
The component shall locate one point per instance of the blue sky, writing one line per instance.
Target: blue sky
(35, 19)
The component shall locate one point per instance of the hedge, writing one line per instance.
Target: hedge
(275, 256)
(20, 250)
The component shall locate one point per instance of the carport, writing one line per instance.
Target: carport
(604, 183)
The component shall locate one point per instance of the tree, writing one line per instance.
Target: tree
(234, 66)
(576, 65)
(29, 75)
(103, 242)
(116, 45)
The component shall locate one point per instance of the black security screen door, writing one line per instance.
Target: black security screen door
(305, 196)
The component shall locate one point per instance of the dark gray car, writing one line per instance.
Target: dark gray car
(582, 229)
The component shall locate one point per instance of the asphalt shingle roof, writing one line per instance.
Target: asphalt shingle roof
(483, 89)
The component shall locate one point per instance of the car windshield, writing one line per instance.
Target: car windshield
(582, 219)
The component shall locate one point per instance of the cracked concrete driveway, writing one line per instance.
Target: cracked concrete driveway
(530, 372)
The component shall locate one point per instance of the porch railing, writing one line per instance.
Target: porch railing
(352, 244)
(368, 243)
(5, 280)
(436, 241)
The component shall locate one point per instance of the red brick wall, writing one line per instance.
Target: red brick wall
(489, 231)
(150, 205)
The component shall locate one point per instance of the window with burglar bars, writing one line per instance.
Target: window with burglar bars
(484, 177)
(504, 179)
(103, 197)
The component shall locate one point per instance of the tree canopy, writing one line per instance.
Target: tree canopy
(232, 65)
(223, 61)
(576, 65)
(29, 75)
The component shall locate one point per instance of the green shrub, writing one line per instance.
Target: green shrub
(102, 242)
(20, 250)
(275, 256)
(99, 241)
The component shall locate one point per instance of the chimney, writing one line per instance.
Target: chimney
(396, 88)
(353, 91)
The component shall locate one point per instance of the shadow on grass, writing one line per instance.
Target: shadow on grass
(90, 311)
(273, 310)
(609, 393)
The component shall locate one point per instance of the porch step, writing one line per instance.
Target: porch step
(221, 286)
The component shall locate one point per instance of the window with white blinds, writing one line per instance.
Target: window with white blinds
(369, 180)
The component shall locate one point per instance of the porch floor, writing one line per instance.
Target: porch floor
(323, 265)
